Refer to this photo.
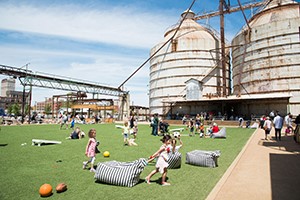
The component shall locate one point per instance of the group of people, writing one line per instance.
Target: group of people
(276, 120)
(81, 119)
(197, 127)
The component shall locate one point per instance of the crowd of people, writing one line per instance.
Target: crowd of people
(280, 124)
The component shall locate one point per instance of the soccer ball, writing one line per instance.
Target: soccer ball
(176, 134)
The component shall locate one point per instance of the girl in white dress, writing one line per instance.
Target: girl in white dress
(161, 164)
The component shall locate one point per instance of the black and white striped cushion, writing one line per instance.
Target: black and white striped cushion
(203, 158)
(120, 173)
(174, 160)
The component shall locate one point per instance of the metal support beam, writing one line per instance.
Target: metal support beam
(222, 35)
(227, 11)
(29, 78)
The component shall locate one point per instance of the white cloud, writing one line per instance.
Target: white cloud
(104, 69)
(114, 26)
(122, 26)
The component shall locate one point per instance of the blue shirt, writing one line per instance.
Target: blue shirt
(278, 122)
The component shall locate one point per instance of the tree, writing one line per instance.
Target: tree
(14, 109)
(26, 109)
(48, 109)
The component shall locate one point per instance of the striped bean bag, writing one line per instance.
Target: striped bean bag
(125, 174)
(174, 160)
(203, 158)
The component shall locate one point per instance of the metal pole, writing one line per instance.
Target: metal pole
(23, 104)
(29, 104)
(222, 34)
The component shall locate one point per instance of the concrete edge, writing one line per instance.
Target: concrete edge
(213, 194)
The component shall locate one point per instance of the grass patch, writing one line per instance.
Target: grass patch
(25, 168)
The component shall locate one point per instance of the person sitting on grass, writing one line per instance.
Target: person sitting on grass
(215, 129)
(76, 134)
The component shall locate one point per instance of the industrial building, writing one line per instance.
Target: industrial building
(187, 75)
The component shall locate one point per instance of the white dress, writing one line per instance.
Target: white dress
(162, 159)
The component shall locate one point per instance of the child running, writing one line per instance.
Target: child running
(72, 123)
(161, 164)
(90, 150)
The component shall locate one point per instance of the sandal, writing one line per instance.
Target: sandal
(166, 184)
(147, 180)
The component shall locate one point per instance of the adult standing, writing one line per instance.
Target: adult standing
(297, 130)
(272, 115)
(267, 127)
(154, 125)
(278, 123)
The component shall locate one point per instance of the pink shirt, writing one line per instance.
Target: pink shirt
(90, 148)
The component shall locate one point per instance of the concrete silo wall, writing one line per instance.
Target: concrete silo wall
(267, 58)
(192, 54)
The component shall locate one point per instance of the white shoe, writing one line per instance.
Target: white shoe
(84, 165)
(92, 170)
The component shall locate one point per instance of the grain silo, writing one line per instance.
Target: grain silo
(266, 59)
(187, 69)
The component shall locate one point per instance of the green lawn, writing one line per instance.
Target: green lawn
(24, 168)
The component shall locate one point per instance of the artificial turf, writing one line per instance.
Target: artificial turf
(24, 168)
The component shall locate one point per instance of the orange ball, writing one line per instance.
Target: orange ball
(45, 190)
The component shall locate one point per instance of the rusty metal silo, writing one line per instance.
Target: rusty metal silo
(188, 68)
(266, 58)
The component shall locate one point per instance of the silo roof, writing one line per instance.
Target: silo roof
(270, 13)
(190, 28)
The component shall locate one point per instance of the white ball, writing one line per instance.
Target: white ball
(176, 134)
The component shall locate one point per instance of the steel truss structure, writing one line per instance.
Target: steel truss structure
(38, 79)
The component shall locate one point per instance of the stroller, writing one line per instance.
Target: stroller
(248, 124)
(163, 127)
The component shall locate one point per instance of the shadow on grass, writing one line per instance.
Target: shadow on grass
(3, 145)
(45, 144)
(141, 181)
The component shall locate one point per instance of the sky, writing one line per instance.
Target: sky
(101, 41)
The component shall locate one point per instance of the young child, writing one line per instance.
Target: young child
(202, 130)
(191, 128)
(90, 150)
(126, 131)
(135, 130)
(161, 164)
(175, 148)
(72, 123)
(76, 134)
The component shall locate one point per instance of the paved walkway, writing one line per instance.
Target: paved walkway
(263, 170)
